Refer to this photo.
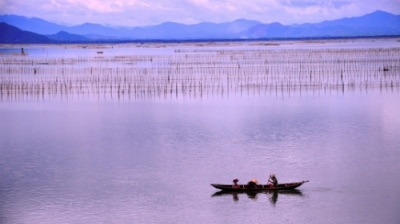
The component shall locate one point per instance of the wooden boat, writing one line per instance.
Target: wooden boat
(258, 187)
(251, 194)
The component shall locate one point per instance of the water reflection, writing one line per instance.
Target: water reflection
(271, 195)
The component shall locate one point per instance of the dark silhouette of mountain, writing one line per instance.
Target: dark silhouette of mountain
(170, 30)
(96, 29)
(43, 27)
(63, 36)
(12, 35)
(272, 30)
(375, 19)
(35, 25)
(378, 23)
(167, 30)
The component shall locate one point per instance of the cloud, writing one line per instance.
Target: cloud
(143, 12)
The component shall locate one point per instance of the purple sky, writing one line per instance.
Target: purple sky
(142, 13)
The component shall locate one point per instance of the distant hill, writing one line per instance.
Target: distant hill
(378, 23)
(169, 30)
(13, 35)
(63, 36)
(35, 25)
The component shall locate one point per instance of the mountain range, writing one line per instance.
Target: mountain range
(19, 29)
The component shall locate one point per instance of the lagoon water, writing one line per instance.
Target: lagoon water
(151, 160)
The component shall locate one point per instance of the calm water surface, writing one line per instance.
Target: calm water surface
(81, 158)
(152, 161)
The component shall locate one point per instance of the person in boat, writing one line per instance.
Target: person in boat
(252, 184)
(235, 184)
(273, 180)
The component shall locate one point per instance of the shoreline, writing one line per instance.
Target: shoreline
(211, 42)
(128, 49)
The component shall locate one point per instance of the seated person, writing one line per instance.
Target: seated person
(235, 183)
(252, 184)
(272, 180)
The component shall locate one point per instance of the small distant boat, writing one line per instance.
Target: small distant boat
(258, 187)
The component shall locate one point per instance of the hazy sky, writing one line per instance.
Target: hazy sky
(142, 13)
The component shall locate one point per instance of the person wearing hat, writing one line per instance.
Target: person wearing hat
(235, 183)
(272, 180)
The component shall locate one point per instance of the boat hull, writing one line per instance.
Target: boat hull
(258, 187)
